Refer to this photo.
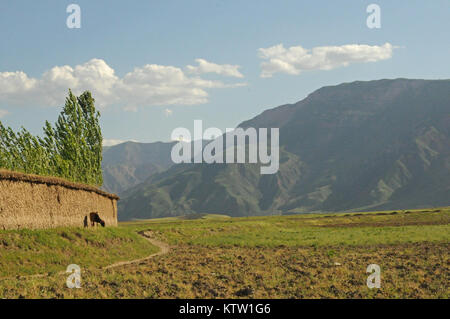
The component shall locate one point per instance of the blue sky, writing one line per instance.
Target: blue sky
(142, 49)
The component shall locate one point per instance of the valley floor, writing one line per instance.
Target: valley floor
(298, 256)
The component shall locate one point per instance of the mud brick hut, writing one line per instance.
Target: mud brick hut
(32, 201)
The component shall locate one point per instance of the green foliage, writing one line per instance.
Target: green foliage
(314, 230)
(72, 149)
(28, 252)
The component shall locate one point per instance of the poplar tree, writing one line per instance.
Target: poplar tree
(73, 149)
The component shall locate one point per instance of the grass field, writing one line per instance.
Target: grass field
(30, 252)
(295, 256)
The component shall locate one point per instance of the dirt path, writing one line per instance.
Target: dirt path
(164, 248)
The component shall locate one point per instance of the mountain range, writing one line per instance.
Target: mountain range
(365, 145)
(128, 164)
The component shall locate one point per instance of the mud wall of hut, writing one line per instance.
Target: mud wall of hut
(31, 201)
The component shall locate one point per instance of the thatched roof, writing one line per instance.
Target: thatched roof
(49, 180)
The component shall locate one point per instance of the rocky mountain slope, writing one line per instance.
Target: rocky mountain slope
(381, 144)
(128, 164)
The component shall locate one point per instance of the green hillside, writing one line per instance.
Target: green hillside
(128, 164)
(30, 252)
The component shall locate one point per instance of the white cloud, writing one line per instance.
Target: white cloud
(112, 142)
(209, 67)
(164, 85)
(297, 59)
(17, 88)
(148, 85)
(3, 113)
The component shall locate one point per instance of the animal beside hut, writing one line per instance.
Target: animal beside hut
(95, 219)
